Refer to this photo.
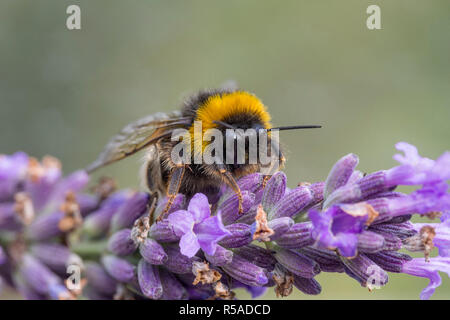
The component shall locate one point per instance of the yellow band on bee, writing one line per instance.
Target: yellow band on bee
(221, 106)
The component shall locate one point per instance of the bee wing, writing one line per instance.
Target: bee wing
(139, 134)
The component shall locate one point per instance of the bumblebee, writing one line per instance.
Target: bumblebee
(219, 109)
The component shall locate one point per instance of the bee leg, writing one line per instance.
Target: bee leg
(281, 160)
(176, 176)
(265, 179)
(231, 182)
(151, 206)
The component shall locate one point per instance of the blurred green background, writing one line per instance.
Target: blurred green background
(65, 92)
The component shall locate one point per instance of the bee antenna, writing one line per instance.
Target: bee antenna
(295, 127)
(224, 124)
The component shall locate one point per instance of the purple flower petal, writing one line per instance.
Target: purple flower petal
(209, 232)
(337, 229)
(420, 170)
(189, 244)
(420, 268)
(181, 222)
(199, 207)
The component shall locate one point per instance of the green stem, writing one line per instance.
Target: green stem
(90, 249)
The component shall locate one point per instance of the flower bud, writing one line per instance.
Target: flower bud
(257, 255)
(118, 268)
(134, 207)
(25, 290)
(42, 180)
(149, 280)
(9, 219)
(176, 261)
(307, 285)
(292, 203)
(73, 183)
(13, 169)
(340, 173)
(99, 279)
(391, 261)
(88, 203)
(391, 241)
(365, 271)
(3, 257)
(46, 227)
(274, 191)
(162, 231)
(297, 263)
(241, 235)
(402, 230)
(172, 288)
(298, 236)
(367, 186)
(121, 243)
(327, 259)
(230, 206)
(178, 203)
(370, 242)
(98, 222)
(57, 257)
(221, 257)
(280, 226)
(317, 190)
(152, 252)
(246, 272)
(37, 275)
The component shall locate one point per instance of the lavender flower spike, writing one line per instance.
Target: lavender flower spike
(357, 226)
(197, 228)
